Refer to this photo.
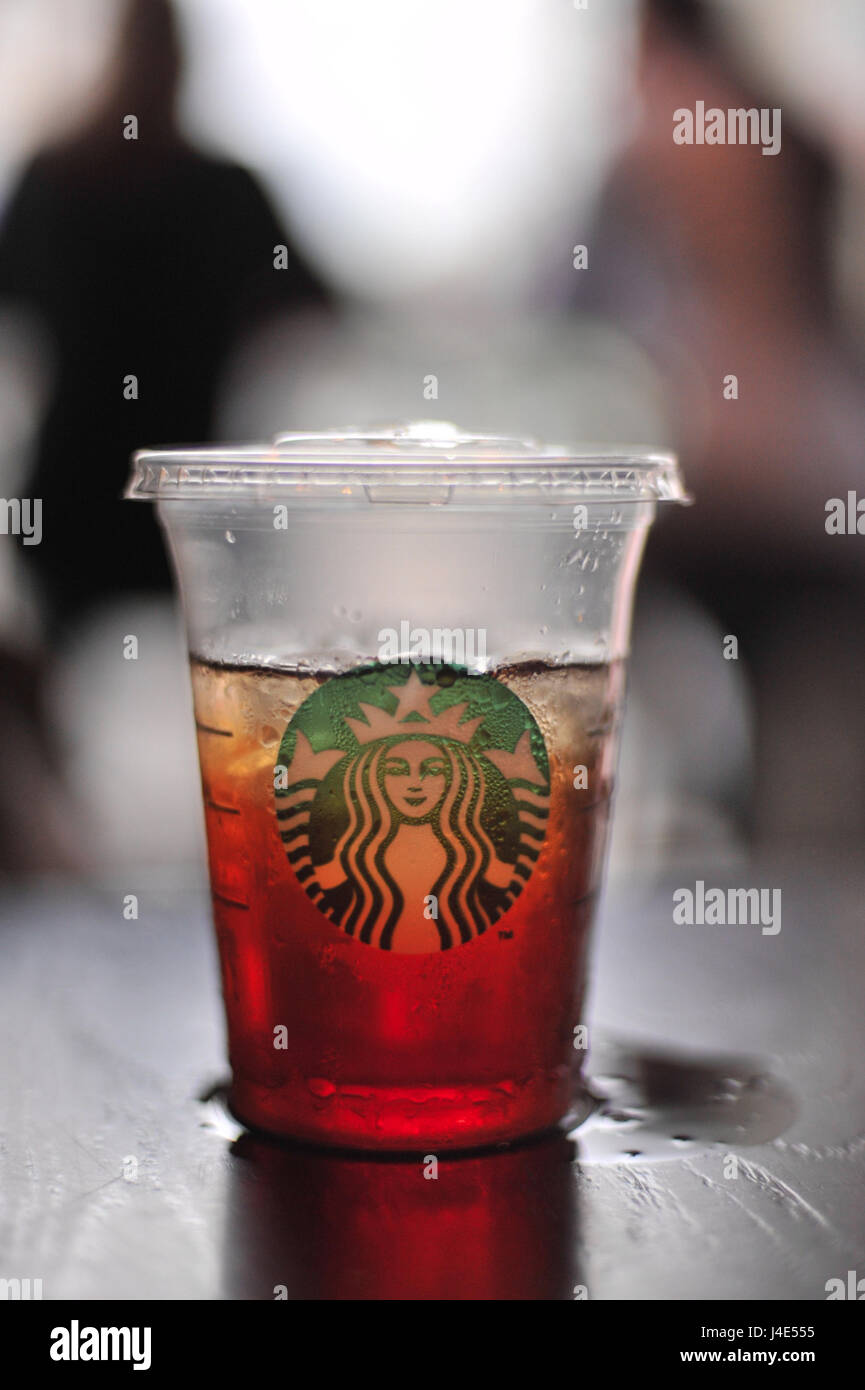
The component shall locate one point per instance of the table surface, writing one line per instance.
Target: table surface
(727, 1162)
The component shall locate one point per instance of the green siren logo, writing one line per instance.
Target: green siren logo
(412, 802)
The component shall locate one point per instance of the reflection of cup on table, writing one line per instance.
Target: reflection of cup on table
(304, 1224)
(407, 663)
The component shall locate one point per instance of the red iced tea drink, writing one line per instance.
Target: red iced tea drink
(404, 862)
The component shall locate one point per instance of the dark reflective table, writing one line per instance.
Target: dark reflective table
(726, 1158)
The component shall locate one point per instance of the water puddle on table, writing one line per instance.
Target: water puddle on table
(659, 1103)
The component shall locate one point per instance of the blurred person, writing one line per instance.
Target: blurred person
(132, 257)
(143, 258)
(39, 826)
(718, 259)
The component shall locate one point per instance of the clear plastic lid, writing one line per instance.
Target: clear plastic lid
(399, 458)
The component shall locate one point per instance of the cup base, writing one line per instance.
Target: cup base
(411, 1120)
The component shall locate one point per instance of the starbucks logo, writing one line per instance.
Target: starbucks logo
(412, 802)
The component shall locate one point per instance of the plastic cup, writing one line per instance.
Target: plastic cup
(407, 650)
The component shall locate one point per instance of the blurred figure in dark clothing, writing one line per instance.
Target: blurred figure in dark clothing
(144, 258)
(719, 260)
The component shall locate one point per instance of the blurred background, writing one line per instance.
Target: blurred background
(430, 171)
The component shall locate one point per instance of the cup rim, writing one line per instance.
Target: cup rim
(405, 459)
